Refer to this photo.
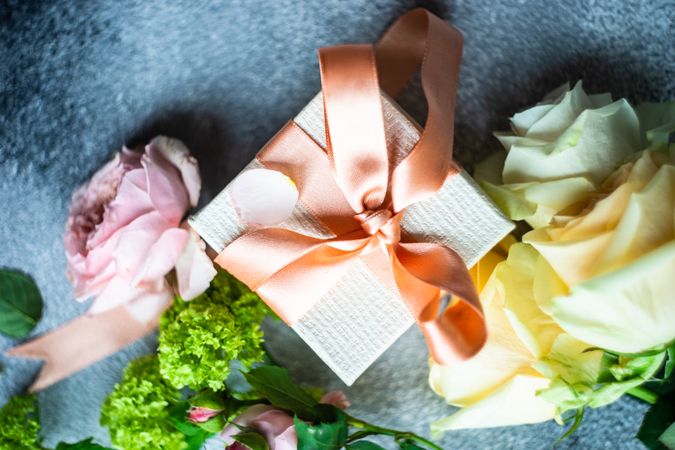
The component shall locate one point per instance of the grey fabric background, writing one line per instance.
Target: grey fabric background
(78, 79)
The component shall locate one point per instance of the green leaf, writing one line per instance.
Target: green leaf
(196, 441)
(668, 437)
(409, 445)
(178, 418)
(658, 419)
(322, 436)
(670, 365)
(194, 435)
(578, 418)
(86, 444)
(364, 445)
(20, 303)
(275, 385)
(208, 399)
(327, 413)
(651, 352)
(251, 440)
(629, 373)
(236, 384)
(213, 425)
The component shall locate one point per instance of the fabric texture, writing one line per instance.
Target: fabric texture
(79, 79)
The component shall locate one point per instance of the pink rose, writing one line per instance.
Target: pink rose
(274, 424)
(124, 233)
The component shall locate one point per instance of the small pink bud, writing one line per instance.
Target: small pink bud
(200, 414)
(336, 398)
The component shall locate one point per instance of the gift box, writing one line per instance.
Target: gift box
(360, 283)
(359, 318)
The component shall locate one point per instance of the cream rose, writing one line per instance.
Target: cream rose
(558, 152)
(593, 274)
(608, 272)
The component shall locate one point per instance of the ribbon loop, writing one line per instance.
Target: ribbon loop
(355, 137)
(420, 40)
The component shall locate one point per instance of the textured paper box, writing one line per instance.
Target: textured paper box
(359, 318)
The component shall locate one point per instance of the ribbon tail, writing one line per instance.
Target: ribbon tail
(460, 331)
(80, 343)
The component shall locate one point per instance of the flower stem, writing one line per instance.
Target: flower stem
(366, 429)
(644, 394)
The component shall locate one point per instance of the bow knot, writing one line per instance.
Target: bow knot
(381, 223)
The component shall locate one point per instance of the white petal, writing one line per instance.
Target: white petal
(561, 116)
(592, 146)
(263, 197)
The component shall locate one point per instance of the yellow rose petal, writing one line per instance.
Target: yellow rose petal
(514, 403)
(536, 330)
(573, 261)
(630, 310)
(502, 357)
(644, 225)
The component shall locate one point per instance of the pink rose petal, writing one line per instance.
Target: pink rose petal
(165, 186)
(176, 153)
(194, 269)
(288, 440)
(149, 306)
(274, 424)
(162, 257)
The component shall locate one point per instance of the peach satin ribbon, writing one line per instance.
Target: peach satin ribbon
(80, 343)
(357, 191)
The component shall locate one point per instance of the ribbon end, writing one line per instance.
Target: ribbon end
(44, 379)
(25, 351)
(457, 334)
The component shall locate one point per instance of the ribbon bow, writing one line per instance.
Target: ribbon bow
(359, 189)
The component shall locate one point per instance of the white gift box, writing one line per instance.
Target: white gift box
(359, 318)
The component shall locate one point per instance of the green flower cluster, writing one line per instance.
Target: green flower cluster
(199, 339)
(20, 424)
(137, 411)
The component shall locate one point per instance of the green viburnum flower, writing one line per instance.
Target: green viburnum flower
(199, 339)
(20, 424)
(137, 411)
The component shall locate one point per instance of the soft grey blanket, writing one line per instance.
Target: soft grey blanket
(80, 78)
